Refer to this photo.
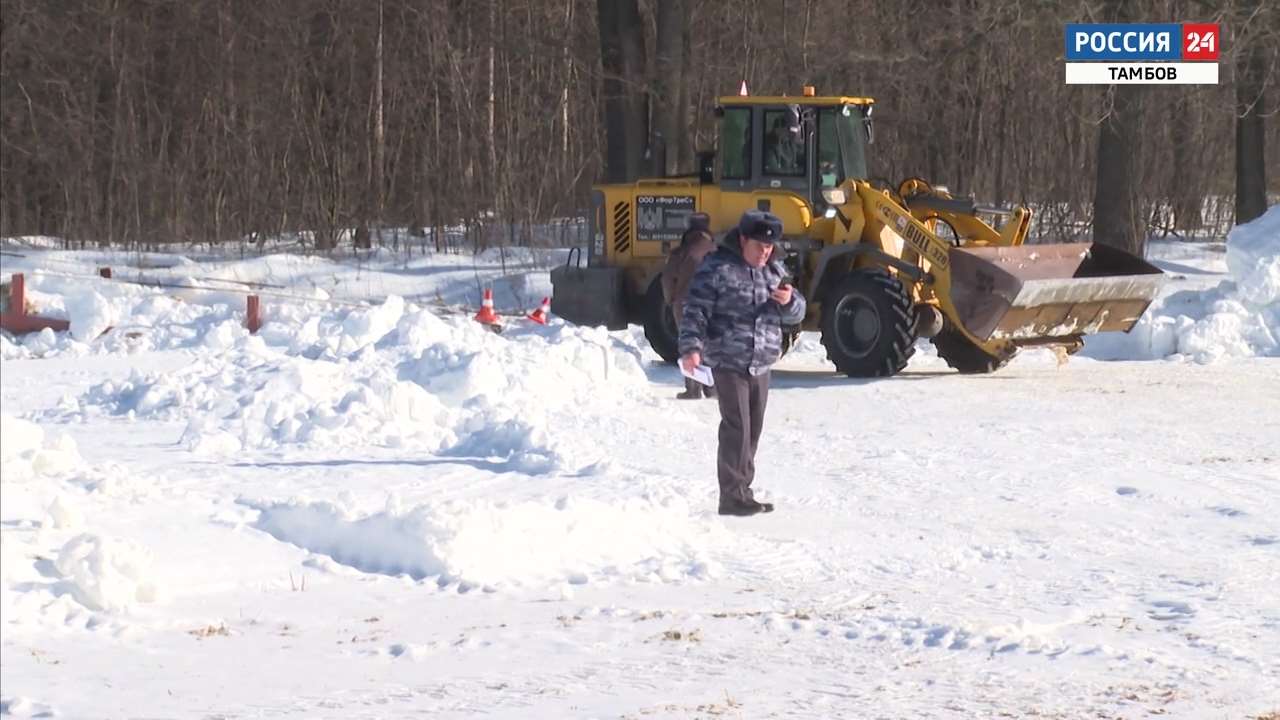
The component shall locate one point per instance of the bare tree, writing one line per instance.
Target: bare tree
(623, 59)
(669, 85)
(1118, 217)
(1250, 87)
(146, 121)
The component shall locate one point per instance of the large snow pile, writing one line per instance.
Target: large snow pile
(1253, 256)
(1240, 317)
(388, 375)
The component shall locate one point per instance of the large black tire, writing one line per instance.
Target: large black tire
(868, 324)
(659, 323)
(961, 354)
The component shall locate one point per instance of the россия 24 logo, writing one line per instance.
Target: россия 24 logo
(1108, 53)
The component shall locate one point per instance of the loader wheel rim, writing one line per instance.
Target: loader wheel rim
(857, 325)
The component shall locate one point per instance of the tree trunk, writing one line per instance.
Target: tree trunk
(622, 56)
(668, 84)
(379, 136)
(1251, 171)
(492, 104)
(1187, 196)
(568, 81)
(685, 157)
(1117, 217)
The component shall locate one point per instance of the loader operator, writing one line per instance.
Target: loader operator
(733, 317)
(782, 155)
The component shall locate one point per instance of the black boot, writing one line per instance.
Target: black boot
(709, 392)
(692, 390)
(742, 508)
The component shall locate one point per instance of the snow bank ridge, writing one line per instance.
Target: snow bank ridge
(506, 545)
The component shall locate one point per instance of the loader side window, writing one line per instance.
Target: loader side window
(736, 143)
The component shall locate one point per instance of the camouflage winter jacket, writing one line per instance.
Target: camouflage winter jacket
(729, 317)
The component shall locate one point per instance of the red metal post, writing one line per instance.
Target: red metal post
(17, 321)
(18, 294)
(252, 319)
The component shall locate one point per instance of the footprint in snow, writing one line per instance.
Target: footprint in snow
(1125, 490)
(1170, 610)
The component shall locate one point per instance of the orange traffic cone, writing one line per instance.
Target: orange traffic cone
(540, 315)
(486, 315)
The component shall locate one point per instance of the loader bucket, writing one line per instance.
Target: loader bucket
(590, 296)
(1030, 293)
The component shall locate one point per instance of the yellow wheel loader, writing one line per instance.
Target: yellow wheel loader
(881, 266)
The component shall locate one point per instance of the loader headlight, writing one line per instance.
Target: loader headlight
(834, 196)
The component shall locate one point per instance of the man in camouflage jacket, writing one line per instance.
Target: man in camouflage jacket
(732, 321)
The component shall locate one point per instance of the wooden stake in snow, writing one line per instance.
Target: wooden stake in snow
(252, 316)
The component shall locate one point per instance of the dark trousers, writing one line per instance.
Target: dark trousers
(742, 401)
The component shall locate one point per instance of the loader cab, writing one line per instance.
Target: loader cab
(803, 145)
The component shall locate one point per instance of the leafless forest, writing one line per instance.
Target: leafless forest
(143, 122)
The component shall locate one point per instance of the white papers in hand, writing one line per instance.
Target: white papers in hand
(702, 374)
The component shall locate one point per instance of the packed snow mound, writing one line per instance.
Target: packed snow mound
(256, 398)
(63, 514)
(529, 544)
(391, 375)
(1253, 257)
(104, 574)
(90, 314)
(1239, 317)
(27, 453)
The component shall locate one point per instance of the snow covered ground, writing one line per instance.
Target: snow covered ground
(383, 510)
